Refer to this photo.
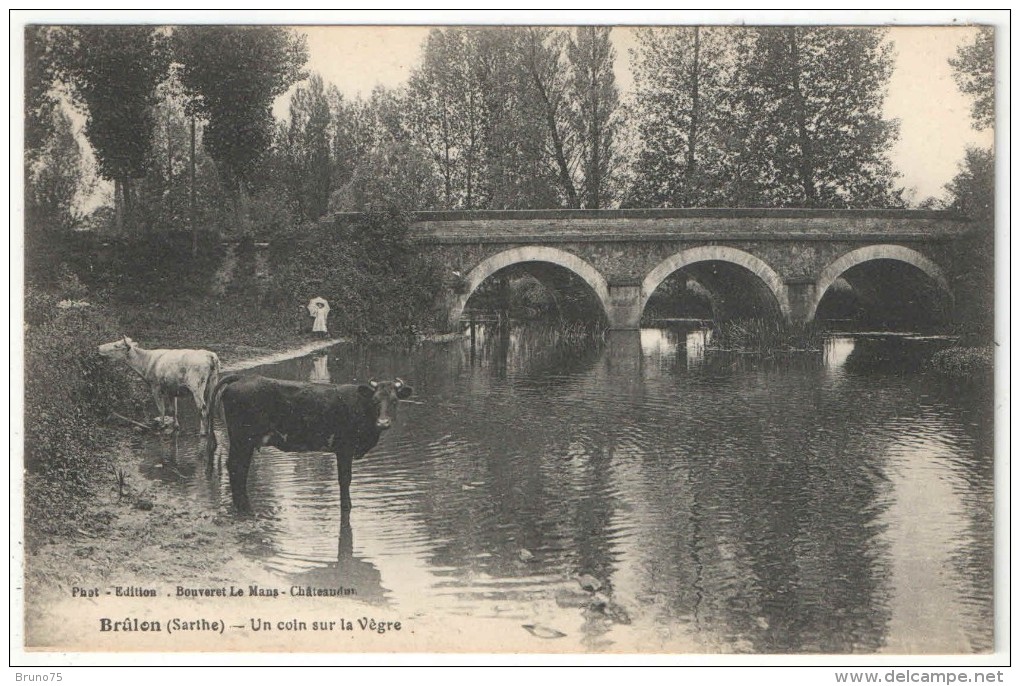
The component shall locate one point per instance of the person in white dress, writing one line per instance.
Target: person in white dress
(318, 308)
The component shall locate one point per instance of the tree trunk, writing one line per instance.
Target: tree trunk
(129, 205)
(447, 171)
(557, 140)
(118, 206)
(692, 133)
(191, 209)
(169, 167)
(244, 206)
(805, 165)
(594, 180)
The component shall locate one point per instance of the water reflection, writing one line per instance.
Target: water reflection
(725, 503)
(349, 576)
(320, 369)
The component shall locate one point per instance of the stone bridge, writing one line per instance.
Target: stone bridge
(778, 262)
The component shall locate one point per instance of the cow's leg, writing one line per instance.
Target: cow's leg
(173, 403)
(157, 395)
(344, 470)
(203, 409)
(238, 463)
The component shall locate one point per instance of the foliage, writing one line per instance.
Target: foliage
(153, 267)
(595, 101)
(395, 177)
(972, 192)
(308, 149)
(55, 176)
(816, 94)
(233, 74)
(770, 116)
(964, 363)
(112, 73)
(69, 392)
(516, 118)
(684, 117)
(766, 336)
(542, 59)
(974, 73)
(41, 99)
(365, 266)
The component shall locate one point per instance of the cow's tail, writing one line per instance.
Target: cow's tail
(217, 391)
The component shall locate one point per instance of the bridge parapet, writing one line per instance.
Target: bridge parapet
(552, 226)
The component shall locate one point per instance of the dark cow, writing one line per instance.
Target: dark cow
(299, 417)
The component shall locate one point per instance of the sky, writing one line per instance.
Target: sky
(935, 125)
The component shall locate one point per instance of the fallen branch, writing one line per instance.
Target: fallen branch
(132, 421)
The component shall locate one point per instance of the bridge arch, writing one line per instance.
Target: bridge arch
(716, 253)
(531, 253)
(898, 253)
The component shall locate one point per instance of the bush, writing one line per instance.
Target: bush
(964, 363)
(69, 391)
(135, 269)
(365, 266)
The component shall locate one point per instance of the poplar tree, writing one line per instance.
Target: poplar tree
(308, 148)
(234, 73)
(685, 117)
(595, 101)
(112, 73)
(814, 96)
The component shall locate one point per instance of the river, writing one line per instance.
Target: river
(828, 503)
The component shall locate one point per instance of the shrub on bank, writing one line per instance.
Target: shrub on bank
(69, 393)
(139, 268)
(366, 266)
(964, 363)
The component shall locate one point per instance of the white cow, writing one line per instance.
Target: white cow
(171, 373)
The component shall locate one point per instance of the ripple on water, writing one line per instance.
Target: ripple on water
(727, 505)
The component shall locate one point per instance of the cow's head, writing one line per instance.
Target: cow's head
(385, 396)
(118, 349)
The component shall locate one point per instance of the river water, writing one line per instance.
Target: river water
(827, 503)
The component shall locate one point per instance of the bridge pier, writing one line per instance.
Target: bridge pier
(800, 294)
(625, 304)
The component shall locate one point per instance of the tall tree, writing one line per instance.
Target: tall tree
(234, 73)
(439, 113)
(595, 99)
(112, 72)
(974, 73)
(350, 133)
(55, 178)
(685, 118)
(470, 107)
(395, 176)
(41, 71)
(309, 148)
(543, 62)
(815, 95)
(972, 190)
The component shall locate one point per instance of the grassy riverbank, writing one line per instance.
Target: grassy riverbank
(235, 298)
(92, 518)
